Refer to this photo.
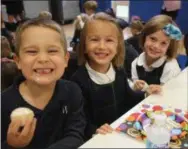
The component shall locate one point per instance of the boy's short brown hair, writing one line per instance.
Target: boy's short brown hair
(46, 23)
(45, 15)
(155, 24)
(118, 60)
(90, 5)
(137, 24)
(5, 47)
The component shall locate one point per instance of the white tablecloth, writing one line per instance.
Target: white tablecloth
(175, 95)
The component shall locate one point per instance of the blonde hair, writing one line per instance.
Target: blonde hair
(155, 24)
(181, 49)
(5, 45)
(46, 23)
(118, 60)
(45, 15)
(90, 5)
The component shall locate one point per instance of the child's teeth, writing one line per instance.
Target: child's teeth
(43, 70)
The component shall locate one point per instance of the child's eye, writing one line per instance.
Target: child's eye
(164, 43)
(52, 50)
(31, 51)
(153, 39)
(109, 40)
(94, 39)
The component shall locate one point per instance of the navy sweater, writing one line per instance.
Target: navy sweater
(105, 103)
(60, 125)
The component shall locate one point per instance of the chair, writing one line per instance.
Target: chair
(182, 61)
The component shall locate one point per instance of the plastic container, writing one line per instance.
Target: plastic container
(158, 136)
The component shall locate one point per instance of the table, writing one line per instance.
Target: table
(175, 95)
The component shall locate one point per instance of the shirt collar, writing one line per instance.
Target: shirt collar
(142, 61)
(101, 78)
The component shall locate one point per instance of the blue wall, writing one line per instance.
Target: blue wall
(103, 5)
(148, 8)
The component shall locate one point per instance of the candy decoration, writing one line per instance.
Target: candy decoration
(123, 126)
(142, 117)
(133, 132)
(186, 116)
(172, 117)
(179, 119)
(178, 110)
(175, 132)
(129, 123)
(168, 113)
(173, 123)
(131, 118)
(144, 110)
(146, 106)
(146, 122)
(175, 144)
(143, 132)
(149, 114)
(137, 126)
(136, 115)
(157, 108)
(183, 124)
(185, 127)
(183, 134)
(174, 137)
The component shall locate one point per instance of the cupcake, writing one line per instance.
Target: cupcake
(22, 114)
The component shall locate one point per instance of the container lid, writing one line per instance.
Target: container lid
(160, 119)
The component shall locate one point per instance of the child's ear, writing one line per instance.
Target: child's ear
(17, 61)
(67, 56)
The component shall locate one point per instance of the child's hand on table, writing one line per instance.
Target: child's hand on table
(104, 129)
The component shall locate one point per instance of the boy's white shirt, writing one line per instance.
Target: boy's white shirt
(171, 68)
(101, 78)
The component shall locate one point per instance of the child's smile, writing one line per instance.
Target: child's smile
(101, 55)
(43, 71)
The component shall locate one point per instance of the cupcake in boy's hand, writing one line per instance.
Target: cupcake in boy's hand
(22, 114)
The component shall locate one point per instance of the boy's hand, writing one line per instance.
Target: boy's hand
(139, 85)
(153, 89)
(20, 139)
(104, 129)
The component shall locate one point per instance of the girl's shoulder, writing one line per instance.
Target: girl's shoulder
(172, 63)
(171, 66)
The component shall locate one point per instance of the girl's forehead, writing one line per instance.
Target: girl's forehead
(161, 35)
(100, 21)
(102, 26)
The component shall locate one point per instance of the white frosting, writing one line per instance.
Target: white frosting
(22, 114)
(145, 87)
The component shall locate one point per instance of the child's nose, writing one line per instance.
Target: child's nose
(157, 45)
(102, 45)
(43, 57)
